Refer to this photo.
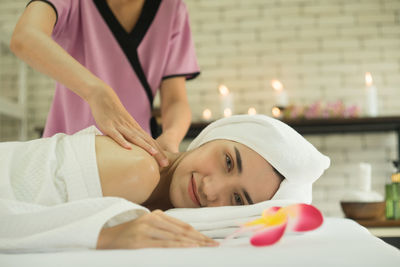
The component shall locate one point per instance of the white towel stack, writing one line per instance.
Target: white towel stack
(219, 222)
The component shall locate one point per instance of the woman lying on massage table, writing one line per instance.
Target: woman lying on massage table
(235, 161)
(219, 173)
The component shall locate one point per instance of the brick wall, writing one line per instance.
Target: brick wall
(41, 88)
(319, 49)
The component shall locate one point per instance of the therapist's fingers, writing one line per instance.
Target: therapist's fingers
(118, 137)
(115, 121)
(139, 137)
(168, 142)
(124, 135)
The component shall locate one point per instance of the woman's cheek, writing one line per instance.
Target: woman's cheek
(177, 187)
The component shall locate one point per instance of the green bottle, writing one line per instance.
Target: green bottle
(396, 200)
(389, 201)
(393, 189)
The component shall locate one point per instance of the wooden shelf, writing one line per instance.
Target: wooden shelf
(330, 126)
(388, 230)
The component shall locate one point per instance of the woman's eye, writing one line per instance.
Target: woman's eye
(228, 162)
(238, 199)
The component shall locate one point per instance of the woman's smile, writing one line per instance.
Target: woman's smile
(192, 189)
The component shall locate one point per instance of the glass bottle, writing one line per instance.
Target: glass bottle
(389, 201)
(396, 200)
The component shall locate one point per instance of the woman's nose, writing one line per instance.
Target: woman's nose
(213, 191)
(209, 189)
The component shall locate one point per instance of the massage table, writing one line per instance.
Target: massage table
(338, 242)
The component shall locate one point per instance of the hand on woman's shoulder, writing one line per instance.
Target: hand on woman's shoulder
(130, 174)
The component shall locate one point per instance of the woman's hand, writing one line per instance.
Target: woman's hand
(168, 142)
(154, 229)
(114, 120)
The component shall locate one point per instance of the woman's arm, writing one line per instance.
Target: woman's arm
(175, 113)
(154, 229)
(32, 42)
(130, 174)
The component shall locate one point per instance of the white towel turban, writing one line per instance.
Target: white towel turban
(286, 150)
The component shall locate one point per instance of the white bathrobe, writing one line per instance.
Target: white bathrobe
(51, 197)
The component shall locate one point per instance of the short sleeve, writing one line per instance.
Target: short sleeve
(181, 60)
(63, 9)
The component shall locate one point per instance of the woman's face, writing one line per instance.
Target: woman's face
(222, 173)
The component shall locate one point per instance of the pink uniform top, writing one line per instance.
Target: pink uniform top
(159, 47)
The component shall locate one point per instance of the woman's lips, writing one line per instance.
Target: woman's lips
(192, 191)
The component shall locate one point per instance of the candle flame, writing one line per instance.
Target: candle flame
(277, 85)
(252, 111)
(227, 112)
(223, 90)
(207, 114)
(276, 112)
(368, 79)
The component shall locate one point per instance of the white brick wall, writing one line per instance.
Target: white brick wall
(319, 49)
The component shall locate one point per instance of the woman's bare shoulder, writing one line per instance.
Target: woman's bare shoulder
(131, 174)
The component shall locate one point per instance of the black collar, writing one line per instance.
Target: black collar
(136, 35)
(129, 42)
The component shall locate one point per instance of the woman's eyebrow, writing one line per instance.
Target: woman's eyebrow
(238, 160)
(240, 168)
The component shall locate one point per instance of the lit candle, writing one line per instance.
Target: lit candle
(252, 111)
(276, 112)
(227, 112)
(207, 114)
(226, 101)
(281, 98)
(371, 101)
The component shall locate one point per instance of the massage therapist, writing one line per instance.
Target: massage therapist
(109, 58)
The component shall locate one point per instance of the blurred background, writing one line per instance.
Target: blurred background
(319, 50)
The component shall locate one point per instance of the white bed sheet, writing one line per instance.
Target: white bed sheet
(338, 242)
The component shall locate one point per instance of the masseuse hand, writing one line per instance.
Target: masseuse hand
(155, 229)
(114, 120)
(168, 142)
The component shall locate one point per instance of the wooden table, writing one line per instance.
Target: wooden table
(383, 227)
(387, 230)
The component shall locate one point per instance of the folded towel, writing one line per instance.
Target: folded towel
(216, 214)
(285, 149)
(219, 222)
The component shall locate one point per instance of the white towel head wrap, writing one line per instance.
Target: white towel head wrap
(286, 150)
